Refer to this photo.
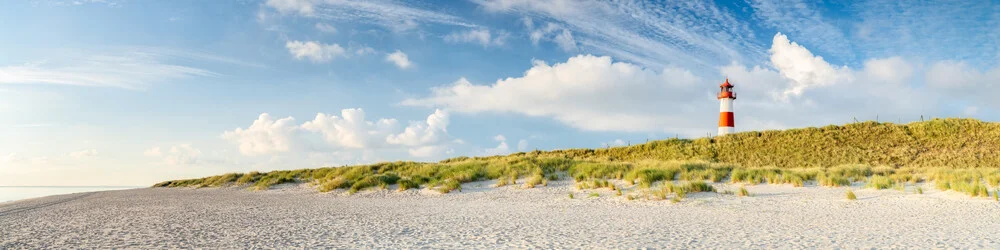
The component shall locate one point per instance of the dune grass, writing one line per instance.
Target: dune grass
(743, 192)
(956, 154)
(880, 182)
(851, 196)
(661, 178)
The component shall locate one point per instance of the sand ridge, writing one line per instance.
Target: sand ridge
(777, 216)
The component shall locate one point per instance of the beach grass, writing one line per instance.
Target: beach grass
(881, 155)
(743, 192)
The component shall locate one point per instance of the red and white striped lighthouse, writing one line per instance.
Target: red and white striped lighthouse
(726, 96)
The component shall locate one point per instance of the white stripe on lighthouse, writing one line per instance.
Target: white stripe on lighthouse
(726, 106)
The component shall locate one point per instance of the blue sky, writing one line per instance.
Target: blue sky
(135, 92)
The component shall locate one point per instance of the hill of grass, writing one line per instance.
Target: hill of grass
(957, 152)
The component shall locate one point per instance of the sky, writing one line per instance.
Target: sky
(106, 92)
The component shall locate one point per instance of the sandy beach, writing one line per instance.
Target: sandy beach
(295, 216)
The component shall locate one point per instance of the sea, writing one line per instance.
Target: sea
(13, 193)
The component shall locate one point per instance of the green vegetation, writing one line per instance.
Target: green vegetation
(851, 196)
(956, 154)
(743, 192)
(594, 195)
(880, 182)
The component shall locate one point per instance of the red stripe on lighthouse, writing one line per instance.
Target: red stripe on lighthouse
(726, 119)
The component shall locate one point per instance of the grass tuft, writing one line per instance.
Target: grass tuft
(743, 192)
(880, 182)
(851, 196)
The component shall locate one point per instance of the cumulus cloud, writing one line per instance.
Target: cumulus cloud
(265, 136)
(587, 92)
(399, 59)
(799, 65)
(314, 51)
(432, 130)
(597, 94)
(500, 149)
(349, 131)
(481, 36)
(87, 153)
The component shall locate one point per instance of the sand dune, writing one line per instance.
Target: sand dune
(507, 217)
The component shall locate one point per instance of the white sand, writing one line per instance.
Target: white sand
(507, 217)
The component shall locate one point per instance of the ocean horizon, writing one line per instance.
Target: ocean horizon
(15, 193)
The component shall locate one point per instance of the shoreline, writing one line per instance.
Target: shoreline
(481, 216)
(19, 193)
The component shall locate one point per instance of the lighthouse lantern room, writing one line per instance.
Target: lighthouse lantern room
(726, 97)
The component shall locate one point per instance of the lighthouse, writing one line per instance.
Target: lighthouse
(726, 97)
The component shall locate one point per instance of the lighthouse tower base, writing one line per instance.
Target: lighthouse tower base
(726, 130)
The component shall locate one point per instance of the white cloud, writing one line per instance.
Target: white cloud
(83, 154)
(522, 145)
(326, 28)
(351, 130)
(304, 7)
(431, 131)
(314, 51)
(500, 149)
(131, 69)
(265, 136)
(399, 59)
(481, 36)
(804, 69)
(586, 92)
(596, 94)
